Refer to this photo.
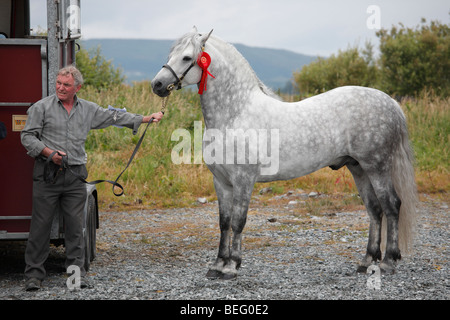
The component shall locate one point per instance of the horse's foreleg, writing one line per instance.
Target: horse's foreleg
(233, 206)
(225, 197)
(241, 199)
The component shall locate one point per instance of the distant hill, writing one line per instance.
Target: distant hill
(142, 59)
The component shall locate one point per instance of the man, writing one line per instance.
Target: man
(61, 123)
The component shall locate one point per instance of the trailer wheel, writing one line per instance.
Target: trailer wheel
(91, 233)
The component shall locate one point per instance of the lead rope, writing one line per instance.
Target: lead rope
(163, 109)
(164, 103)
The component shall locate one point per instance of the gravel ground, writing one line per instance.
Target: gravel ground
(165, 254)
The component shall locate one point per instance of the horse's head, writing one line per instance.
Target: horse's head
(182, 68)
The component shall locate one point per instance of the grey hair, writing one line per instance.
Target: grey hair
(76, 74)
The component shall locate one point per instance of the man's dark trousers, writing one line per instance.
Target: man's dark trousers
(70, 193)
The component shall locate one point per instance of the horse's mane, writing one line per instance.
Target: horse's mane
(266, 90)
(184, 41)
(193, 38)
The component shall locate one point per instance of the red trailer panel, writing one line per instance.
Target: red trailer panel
(21, 69)
(21, 84)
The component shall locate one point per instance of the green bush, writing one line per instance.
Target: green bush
(415, 59)
(350, 67)
(412, 60)
(96, 70)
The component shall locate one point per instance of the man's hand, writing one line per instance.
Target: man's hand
(156, 117)
(57, 158)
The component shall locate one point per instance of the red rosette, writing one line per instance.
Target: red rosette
(203, 61)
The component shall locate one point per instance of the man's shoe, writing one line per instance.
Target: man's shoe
(32, 284)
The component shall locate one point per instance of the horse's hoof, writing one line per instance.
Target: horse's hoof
(387, 269)
(228, 276)
(214, 274)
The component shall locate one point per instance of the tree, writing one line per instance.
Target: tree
(349, 67)
(415, 59)
(411, 60)
(96, 70)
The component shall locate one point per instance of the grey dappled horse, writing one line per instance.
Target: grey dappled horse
(361, 128)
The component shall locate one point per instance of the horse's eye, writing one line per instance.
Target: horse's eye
(187, 58)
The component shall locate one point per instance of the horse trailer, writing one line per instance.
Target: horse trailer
(29, 65)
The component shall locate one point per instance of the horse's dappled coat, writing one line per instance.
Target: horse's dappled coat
(361, 128)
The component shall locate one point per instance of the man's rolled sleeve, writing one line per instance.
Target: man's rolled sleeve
(36, 150)
(127, 119)
(32, 131)
(137, 122)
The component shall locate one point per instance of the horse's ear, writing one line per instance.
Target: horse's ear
(205, 37)
(194, 29)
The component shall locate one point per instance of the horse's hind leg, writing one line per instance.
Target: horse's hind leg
(375, 212)
(390, 203)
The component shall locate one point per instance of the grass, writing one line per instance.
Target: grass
(153, 180)
(429, 127)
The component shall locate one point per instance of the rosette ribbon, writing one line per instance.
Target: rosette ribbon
(203, 61)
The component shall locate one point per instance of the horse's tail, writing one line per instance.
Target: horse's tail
(405, 185)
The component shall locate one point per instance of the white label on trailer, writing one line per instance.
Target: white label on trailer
(18, 122)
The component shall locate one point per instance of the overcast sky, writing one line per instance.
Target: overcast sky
(319, 27)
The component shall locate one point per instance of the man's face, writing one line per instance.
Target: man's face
(65, 88)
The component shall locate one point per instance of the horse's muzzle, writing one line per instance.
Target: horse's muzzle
(161, 89)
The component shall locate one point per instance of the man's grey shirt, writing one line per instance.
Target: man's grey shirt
(50, 125)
